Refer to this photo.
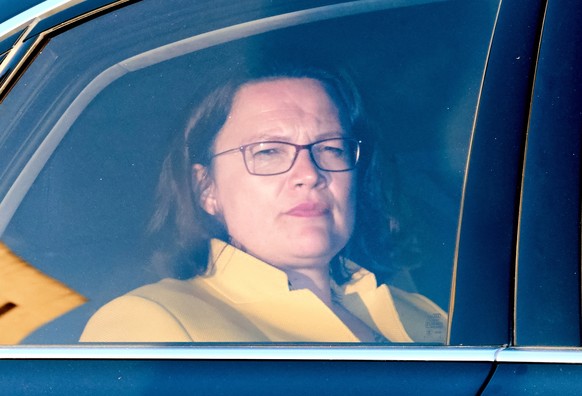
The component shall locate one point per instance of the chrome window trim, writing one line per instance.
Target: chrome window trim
(540, 355)
(38, 12)
(258, 352)
(530, 355)
(25, 23)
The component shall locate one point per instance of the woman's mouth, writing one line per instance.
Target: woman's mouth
(309, 209)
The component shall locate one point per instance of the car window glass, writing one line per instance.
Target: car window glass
(92, 118)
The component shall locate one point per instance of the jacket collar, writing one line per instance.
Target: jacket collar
(245, 279)
(231, 267)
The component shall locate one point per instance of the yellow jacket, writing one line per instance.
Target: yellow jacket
(243, 299)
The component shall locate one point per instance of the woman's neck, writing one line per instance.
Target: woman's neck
(314, 278)
(317, 280)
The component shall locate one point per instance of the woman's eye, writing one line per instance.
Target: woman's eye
(332, 150)
(267, 152)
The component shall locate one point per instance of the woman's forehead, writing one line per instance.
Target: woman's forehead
(282, 105)
(274, 93)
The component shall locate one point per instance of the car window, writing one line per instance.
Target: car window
(85, 130)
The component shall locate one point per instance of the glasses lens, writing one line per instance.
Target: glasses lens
(268, 158)
(336, 154)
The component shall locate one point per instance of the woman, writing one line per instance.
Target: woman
(271, 191)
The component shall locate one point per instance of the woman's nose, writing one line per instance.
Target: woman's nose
(304, 172)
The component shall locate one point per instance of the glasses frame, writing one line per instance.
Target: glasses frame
(298, 147)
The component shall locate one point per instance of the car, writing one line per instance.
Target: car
(479, 109)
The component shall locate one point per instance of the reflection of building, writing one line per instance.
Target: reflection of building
(29, 298)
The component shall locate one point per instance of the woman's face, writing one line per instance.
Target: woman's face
(301, 218)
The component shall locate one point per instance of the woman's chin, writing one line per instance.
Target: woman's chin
(315, 245)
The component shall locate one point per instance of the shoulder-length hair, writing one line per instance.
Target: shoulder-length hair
(190, 227)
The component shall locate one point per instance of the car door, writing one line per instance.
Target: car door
(545, 356)
(89, 109)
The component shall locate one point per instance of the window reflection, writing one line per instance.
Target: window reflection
(85, 219)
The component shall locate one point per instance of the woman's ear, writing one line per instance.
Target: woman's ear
(202, 182)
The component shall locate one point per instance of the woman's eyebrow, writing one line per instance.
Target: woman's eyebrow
(264, 137)
(271, 136)
(330, 135)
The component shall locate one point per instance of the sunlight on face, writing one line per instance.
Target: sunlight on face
(301, 218)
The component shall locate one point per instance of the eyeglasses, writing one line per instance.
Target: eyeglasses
(273, 158)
